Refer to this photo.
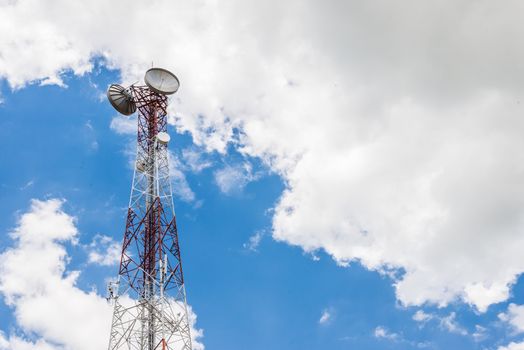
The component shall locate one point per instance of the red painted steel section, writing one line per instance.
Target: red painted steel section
(150, 235)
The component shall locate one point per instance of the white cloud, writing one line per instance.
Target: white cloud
(14, 342)
(46, 302)
(44, 296)
(396, 137)
(3, 341)
(181, 188)
(232, 179)
(125, 125)
(254, 241)
(512, 346)
(196, 333)
(103, 250)
(325, 318)
(421, 316)
(514, 316)
(384, 333)
(27, 185)
(480, 334)
(195, 159)
(450, 324)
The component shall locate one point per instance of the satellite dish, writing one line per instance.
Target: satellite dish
(163, 137)
(121, 99)
(161, 81)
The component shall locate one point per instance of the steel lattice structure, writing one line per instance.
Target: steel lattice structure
(150, 308)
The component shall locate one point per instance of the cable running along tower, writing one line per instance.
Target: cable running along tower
(150, 309)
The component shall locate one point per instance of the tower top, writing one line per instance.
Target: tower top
(158, 80)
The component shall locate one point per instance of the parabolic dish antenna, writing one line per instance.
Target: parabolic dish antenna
(163, 137)
(161, 81)
(121, 99)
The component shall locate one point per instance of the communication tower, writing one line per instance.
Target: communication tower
(150, 308)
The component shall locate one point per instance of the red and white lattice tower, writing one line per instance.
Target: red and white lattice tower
(150, 309)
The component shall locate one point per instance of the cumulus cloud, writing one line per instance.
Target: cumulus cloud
(126, 125)
(396, 137)
(104, 250)
(15, 342)
(44, 296)
(514, 316)
(47, 303)
(512, 346)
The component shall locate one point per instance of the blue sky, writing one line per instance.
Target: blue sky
(346, 175)
(60, 145)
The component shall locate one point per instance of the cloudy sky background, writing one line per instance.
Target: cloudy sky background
(363, 155)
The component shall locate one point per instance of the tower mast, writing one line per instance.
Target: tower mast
(150, 308)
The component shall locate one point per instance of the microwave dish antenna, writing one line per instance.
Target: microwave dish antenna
(121, 99)
(162, 81)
